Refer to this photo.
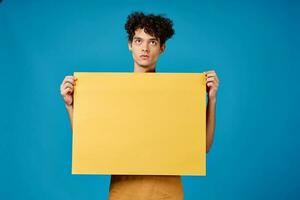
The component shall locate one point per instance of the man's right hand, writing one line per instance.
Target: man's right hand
(67, 89)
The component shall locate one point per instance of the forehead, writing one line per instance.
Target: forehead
(140, 33)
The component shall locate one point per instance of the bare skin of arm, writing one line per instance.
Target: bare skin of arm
(212, 84)
(70, 113)
(210, 123)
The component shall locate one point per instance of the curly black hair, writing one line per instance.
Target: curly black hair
(154, 25)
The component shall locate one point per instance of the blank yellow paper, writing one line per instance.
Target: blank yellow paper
(139, 123)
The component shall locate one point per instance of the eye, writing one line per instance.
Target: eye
(138, 41)
(153, 42)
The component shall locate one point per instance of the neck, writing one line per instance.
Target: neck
(138, 68)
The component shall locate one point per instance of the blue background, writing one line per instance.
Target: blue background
(253, 46)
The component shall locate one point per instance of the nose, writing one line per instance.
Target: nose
(145, 47)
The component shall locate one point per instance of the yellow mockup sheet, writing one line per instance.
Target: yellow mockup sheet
(139, 123)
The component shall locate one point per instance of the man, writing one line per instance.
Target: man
(147, 36)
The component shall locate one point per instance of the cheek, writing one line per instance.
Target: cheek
(135, 52)
(155, 53)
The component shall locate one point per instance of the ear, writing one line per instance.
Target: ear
(162, 48)
(129, 45)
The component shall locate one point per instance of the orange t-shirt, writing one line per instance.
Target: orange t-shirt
(145, 187)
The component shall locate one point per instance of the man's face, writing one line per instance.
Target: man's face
(145, 49)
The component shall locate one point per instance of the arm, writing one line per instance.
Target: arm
(210, 122)
(70, 113)
(212, 84)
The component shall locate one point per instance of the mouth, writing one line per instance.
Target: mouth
(144, 57)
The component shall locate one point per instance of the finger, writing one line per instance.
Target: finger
(67, 78)
(68, 84)
(66, 91)
(73, 78)
(211, 73)
(70, 79)
(209, 84)
(215, 83)
(65, 85)
(212, 78)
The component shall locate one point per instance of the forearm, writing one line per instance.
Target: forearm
(210, 122)
(70, 112)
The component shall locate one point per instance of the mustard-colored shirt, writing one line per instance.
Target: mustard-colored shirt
(145, 187)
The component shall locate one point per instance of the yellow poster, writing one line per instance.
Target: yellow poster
(139, 123)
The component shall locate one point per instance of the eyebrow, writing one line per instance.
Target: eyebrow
(135, 37)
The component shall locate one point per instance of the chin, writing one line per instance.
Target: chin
(145, 65)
